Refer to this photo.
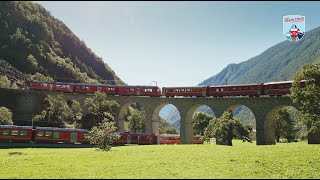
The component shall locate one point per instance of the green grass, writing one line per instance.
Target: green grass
(242, 160)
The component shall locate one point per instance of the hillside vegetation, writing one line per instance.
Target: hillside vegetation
(33, 41)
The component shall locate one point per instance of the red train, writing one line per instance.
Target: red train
(92, 88)
(269, 89)
(26, 134)
(251, 90)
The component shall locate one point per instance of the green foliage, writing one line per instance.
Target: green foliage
(308, 97)
(284, 126)
(5, 82)
(136, 120)
(32, 40)
(226, 128)
(5, 116)
(56, 113)
(103, 135)
(99, 109)
(38, 77)
(200, 122)
(166, 128)
(75, 121)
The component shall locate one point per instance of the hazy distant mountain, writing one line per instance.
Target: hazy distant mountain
(278, 63)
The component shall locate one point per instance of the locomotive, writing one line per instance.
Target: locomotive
(251, 90)
(51, 135)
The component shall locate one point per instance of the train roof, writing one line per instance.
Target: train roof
(133, 133)
(15, 127)
(83, 84)
(60, 129)
(279, 82)
(188, 87)
(255, 84)
(132, 86)
(53, 82)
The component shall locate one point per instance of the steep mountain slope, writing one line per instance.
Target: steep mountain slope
(278, 63)
(33, 41)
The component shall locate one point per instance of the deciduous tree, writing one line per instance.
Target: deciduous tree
(5, 116)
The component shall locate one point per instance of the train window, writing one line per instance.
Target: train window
(40, 133)
(14, 132)
(63, 86)
(56, 135)
(234, 88)
(23, 133)
(48, 133)
(58, 86)
(170, 90)
(45, 84)
(195, 90)
(217, 90)
(221, 89)
(6, 132)
(182, 90)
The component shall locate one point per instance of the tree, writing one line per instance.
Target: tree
(99, 109)
(308, 98)
(5, 116)
(136, 120)
(226, 128)
(75, 120)
(5, 82)
(208, 131)
(103, 135)
(200, 122)
(284, 125)
(56, 112)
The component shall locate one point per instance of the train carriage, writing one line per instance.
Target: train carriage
(277, 88)
(139, 91)
(87, 88)
(109, 89)
(61, 135)
(19, 134)
(198, 91)
(135, 138)
(235, 90)
(52, 86)
(169, 139)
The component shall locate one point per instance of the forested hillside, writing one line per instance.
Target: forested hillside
(33, 41)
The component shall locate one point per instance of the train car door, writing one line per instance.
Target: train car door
(50, 87)
(73, 137)
(204, 92)
(128, 139)
(99, 88)
(138, 91)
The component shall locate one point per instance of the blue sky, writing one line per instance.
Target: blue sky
(179, 43)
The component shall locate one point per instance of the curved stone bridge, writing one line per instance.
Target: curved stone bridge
(264, 109)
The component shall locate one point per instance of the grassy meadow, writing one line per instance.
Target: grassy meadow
(242, 160)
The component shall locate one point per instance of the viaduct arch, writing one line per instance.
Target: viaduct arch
(264, 109)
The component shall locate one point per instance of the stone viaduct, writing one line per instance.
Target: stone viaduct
(25, 102)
